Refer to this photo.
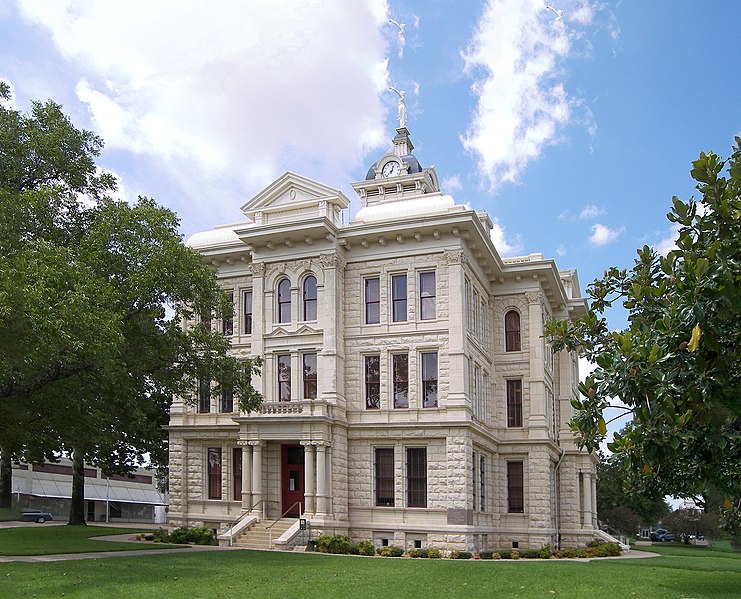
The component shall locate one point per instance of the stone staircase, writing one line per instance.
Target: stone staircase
(258, 537)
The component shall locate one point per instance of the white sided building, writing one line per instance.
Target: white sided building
(409, 395)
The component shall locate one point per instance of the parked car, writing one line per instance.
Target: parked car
(662, 535)
(36, 516)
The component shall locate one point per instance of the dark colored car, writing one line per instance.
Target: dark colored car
(36, 516)
(662, 535)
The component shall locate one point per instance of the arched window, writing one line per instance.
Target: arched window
(512, 331)
(310, 298)
(284, 301)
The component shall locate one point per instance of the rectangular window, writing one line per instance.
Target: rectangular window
(385, 476)
(482, 480)
(227, 399)
(474, 479)
(372, 301)
(310, 376)
(514, 403)
(429, 379)
(227, 323)
(467, 304)
(477, 391)
(237, 473)
(475, 313)
(416, 477)
(372, 382)
(248, 312)
(204, 395)
(485, 399)
(206, 319)
(399, 297)
(214, 472)
(284, 377)
(401, 380)
(427, 295)
(515, 491)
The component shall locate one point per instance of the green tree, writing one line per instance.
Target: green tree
(676, 367)
(93, 294)
(686, 522)
(620, 508)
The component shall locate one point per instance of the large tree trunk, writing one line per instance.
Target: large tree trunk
(6, 479)
(77, 508)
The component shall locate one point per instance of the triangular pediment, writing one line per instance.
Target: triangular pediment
(297, 195)
(278, 332)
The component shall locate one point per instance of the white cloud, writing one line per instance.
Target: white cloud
(591, 211)
(668, 243)
(602, 234)
(503, 246)
(516, 55)
(243, 90)
(451, 184)
(561, 251)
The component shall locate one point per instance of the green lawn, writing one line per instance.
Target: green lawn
(48, 540)
(703, 575)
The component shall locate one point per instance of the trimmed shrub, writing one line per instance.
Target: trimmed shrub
(390, 551)
(496, 555)
(515, 554)
(529, 553)
(365, 547)
(486, 554)
(338, 544)
(505, 554)
(546, 552)
(192, 536)
(418, 553)
(433, 553)
(460, 555)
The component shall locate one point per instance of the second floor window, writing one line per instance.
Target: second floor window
(401, 380)
(204, 395)
(427, 294)
(310, 298)
(248, 312)
(284, 377)
(399, 297)
(372, 300)
(512, 331)
(310, 376)
(227, 399)
(429, 379)
(372, 382)
(227, 324)
(284, 301)
(514, 403)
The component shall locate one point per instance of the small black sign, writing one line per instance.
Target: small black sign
(302, 523)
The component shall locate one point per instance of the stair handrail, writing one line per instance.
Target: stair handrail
(270, 528)
(247, 513)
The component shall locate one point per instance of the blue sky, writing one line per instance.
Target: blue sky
(572, 132)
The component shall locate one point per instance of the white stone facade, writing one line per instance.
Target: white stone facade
(459, 485)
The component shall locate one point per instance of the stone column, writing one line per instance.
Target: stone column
(587, 500)
(257, 494)
(458, 344)
(321, 478)
(593, 480)
(309, 477)
(246, 474)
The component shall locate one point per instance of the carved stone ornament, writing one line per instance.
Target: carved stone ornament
(306, 264)
(533, 298)
(454, 257)
(258, 269)
(332, 261)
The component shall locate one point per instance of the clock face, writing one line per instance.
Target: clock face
(390, 169)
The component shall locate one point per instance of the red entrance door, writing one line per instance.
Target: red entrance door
(292, 478)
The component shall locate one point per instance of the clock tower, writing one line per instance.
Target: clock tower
(397, 175)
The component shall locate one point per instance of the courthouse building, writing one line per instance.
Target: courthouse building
(410, 397)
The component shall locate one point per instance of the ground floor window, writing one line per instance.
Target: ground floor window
(515, 491)
(214, 472)
(237, 473)
(416, 477)
(385, 476)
